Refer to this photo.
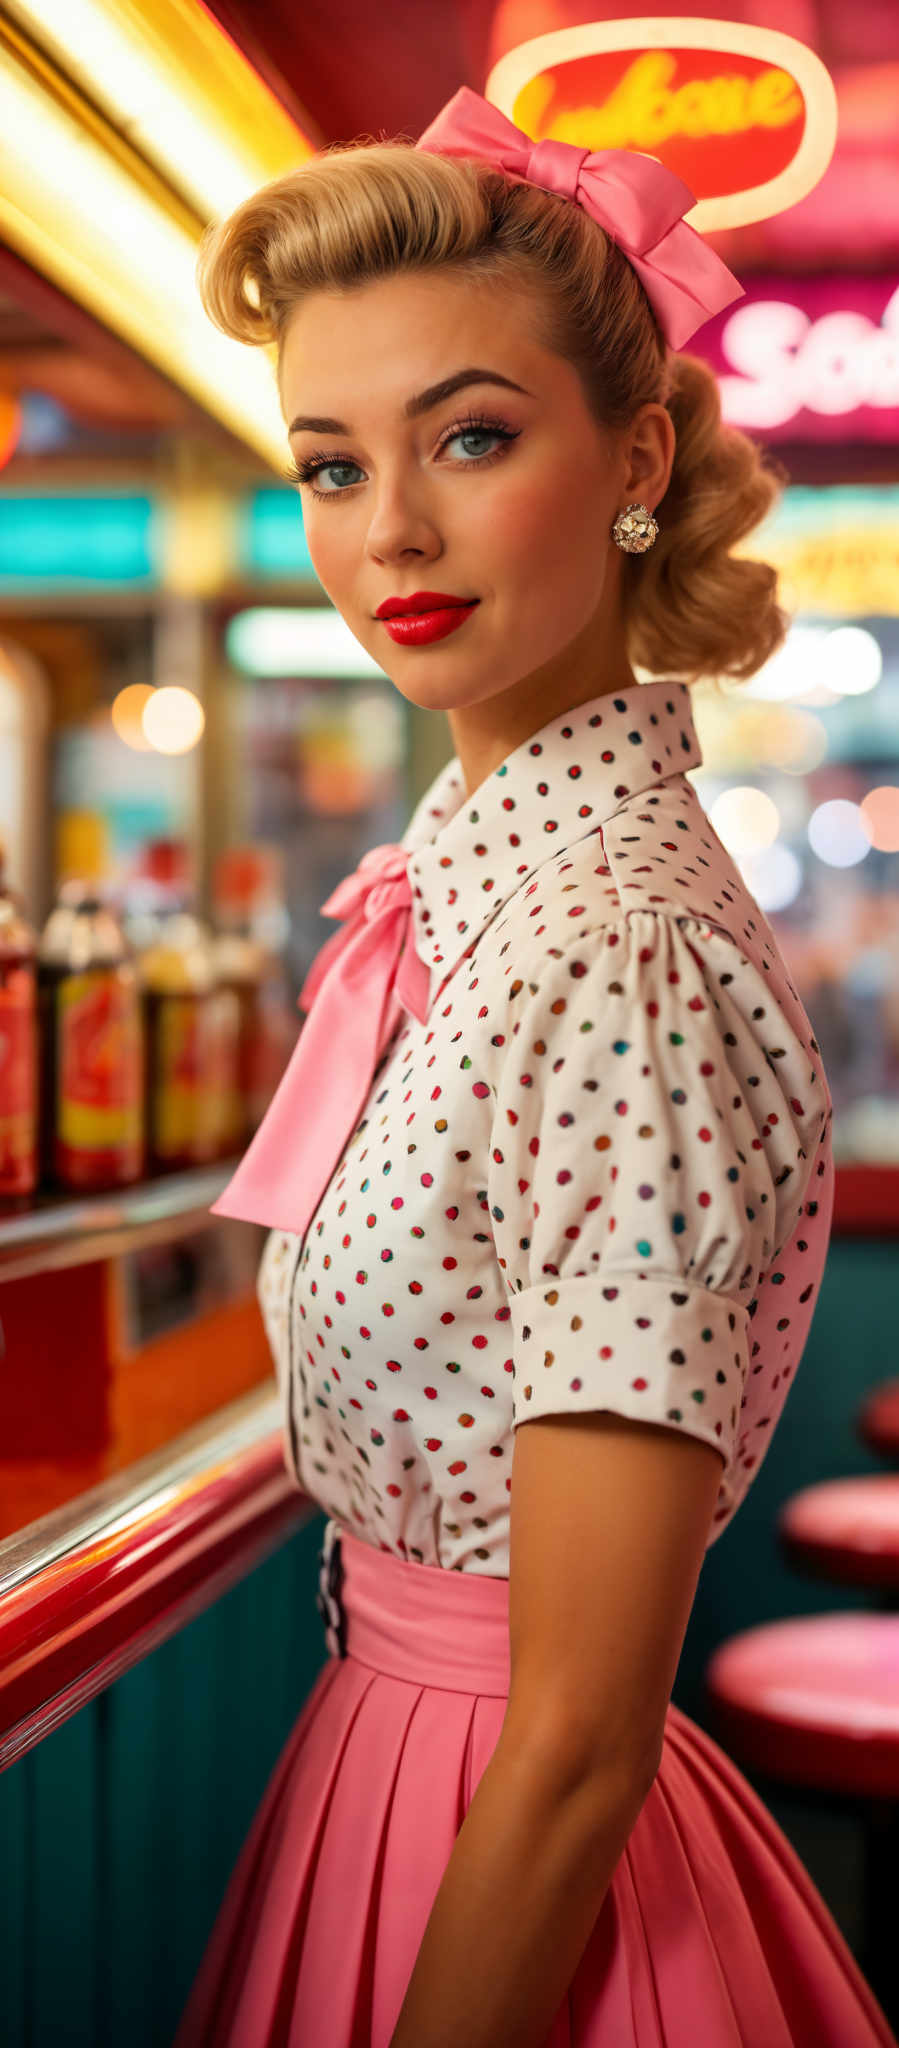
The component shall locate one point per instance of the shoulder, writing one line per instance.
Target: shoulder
(658, 852)
(663, 854)
(657, 863)
(655, 1016)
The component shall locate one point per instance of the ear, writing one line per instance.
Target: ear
(650, 445)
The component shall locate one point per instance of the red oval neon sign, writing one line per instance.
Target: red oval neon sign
(745, 115)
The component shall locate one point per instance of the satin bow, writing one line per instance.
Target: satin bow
(355, 992)
(638, 201)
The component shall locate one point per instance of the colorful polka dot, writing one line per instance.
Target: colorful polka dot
(493, 1243)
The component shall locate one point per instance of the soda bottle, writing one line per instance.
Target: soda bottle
(185, 1025)
(92, 1038)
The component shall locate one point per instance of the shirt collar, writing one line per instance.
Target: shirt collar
(468, 855)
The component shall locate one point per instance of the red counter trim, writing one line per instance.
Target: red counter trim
(866, 1201)
(77, 1623)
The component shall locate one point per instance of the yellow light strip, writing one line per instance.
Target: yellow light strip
(174, 85)
(75, 212)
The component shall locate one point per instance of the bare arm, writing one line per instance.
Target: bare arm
(528, 1874)
(609, 1523)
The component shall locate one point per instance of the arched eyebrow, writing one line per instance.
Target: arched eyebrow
(424, 401)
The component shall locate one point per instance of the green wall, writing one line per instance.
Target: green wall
(117, 1835)
(118, 1832)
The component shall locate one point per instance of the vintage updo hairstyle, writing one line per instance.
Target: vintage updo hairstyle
(368, 209)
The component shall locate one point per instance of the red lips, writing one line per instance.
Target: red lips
(420, 601)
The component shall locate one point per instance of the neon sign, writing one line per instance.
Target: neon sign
(810, 358)
(745, 115)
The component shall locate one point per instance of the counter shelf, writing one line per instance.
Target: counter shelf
(58, 1230)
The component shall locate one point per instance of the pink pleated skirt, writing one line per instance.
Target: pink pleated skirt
(711, 1934)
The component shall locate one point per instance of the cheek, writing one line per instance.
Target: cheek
(332, 553)
(543, 537)
(508, 530)
(552, 516)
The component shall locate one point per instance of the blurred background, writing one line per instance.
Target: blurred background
(194, 750)
(170, 669)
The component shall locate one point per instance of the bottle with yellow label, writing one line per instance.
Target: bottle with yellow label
(92, 1044)
(192, 1024)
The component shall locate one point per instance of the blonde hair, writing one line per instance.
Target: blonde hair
(364, 210)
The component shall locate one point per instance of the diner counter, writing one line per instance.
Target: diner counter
(141, 1462)
(88, 1590)
(125, 1318)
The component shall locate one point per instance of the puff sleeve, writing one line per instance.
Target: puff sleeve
(649, 1156)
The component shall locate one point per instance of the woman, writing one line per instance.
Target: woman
(553, 1149)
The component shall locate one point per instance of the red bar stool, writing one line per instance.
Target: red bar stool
(814, 1703)
(878, 1419)
(846, 1530)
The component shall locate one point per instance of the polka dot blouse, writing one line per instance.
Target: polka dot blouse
(599, 1176)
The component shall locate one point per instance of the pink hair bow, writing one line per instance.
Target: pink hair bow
(355, 992)
(637, 200)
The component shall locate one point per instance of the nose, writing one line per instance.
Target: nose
(401, 524)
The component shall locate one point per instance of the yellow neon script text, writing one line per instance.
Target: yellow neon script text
(645, 110)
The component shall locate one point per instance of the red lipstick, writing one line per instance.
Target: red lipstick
(426, 615)
(420, 601)
(419, 627)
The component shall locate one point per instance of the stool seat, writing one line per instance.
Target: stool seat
(878, 1419)
(845, 1529)
(814, 1701)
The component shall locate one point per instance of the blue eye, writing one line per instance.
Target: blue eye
(320, 460)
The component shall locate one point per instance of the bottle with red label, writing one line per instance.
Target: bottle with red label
(19, 1085)
(92, 1040)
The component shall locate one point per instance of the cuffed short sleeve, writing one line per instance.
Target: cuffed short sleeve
(649, 1155)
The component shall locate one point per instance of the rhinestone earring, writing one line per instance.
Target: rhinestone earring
(635, 530)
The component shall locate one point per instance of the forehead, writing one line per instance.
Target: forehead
(407, 331)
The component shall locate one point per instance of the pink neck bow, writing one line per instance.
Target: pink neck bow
(355, 992)
(637, 200)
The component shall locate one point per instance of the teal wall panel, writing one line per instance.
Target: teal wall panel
(15, 1900)
(271, 537)
(119, 1833)
(63, 1852)
(69, 540)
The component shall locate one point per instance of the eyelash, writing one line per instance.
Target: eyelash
(303, 472)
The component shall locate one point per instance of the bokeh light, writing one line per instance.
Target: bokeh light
(880, 811)
(837, 833)
(798, 741)
(774, 877)
(793, 671)
(745, 819)
(127, 714)
(173, 720)
(852, 661)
